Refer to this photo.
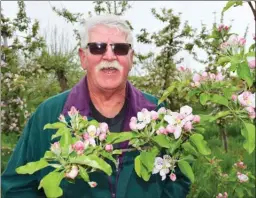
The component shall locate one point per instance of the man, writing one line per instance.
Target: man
(105, 95)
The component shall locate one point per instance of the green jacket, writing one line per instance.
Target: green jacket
(34, 141)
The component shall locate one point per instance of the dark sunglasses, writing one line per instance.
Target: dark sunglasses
(119, 49)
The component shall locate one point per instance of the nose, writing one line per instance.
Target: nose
(109, 54)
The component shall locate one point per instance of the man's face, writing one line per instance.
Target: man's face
(107, 78)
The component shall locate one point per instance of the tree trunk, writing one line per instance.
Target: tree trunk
(62, 80)
(224, 137)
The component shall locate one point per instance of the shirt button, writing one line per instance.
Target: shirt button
(113, 195)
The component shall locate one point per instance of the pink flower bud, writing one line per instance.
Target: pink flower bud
(73, 172)
(154, 115)
(192, 84)
(109, 147)
(78, 147)
(103, 127)
(86, 136)
(196, 78)
(55, 148)
(133, 126)
(188, 126)
(161, 130)
(73, 112)
(205, 74)
(181, 69)
(226, 28)
(196, 119)
(92, 184)
(219, 77)
(170, 128)
(173, 177)
(242, 41)
(133, 119)
(102, 136)
(62, 118)
(162, 110)
(212, 76)
(234, 97)
(252, 64)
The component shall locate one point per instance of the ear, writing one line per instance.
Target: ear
(131, 58)
(82, 56)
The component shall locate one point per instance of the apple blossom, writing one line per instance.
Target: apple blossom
(73, 112)
(92, 184)
(109, 147)
(154, 115)
(252, 64)
(196, 119)
(55, 148)
(103, 127)
(73, 172)
(173, 177)
(242, 177)
(188, 126)
(102, 136)
(79, 147)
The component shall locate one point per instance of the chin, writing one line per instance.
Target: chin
(111, 85)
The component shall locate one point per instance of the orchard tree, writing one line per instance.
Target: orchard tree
(170, 40)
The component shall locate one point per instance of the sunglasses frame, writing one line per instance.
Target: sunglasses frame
(113, 47)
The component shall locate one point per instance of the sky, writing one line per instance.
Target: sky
(140, 17)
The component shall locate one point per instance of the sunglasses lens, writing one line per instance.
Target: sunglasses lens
(97, 48)
(121, 48)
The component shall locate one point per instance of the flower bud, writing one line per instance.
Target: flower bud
(196, 119)
(109, 147)
(55, 148)
(170, 128)
(78, 147)
(173, 177)
(73, 172)
(102, 136)
(103, 127)
(188, 126)
(92, 184)
(252, 64)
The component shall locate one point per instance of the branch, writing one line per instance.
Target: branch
(253, 10)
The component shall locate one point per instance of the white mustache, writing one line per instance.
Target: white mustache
(106, 64)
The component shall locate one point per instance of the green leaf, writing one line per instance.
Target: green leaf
(250, 54)
(219, 115)
(114, 138)
(223, 60)
(49, 155)
(93, 161)
(58, 133)
(137, 165)
(244, 73)
(174, 145)
(230, 4)
(189, 148)
(162, 141)
(204, 98)
(94, 122)
(108, 155)
(167, 92)
(83, 174)
(32, 167)
(200, 143)
(117, 152)
(219, 99)
(56, 125)
(51, 183)
(248, 131)
(186, 169)
(65, 141)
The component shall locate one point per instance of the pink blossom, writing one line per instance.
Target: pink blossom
(242, 177)
(173, 177)
(170, 128)
(73, 172)
(188, 126)
(185, 111)
(55, 148)
(86, 136)
(133, 126)
(109, 147)
(251, 112)
(197, 84)
(219, 77)
(133, 119)
(62, 118)
(212, 76)
(247, 99)
(226, 28)
(103, 127)
(161, 130)
(73, 112)
(162, 110)
(196, 119)
(252, 64)
(241, 41)
(181, 69)
(92, 184)
(204, 75)
(196, 78)
(78, 147)
(234, 97)
(224, 195)
(154, 115)
(220, 27)
(102, 136)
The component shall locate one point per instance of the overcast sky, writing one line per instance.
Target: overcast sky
(140, 17)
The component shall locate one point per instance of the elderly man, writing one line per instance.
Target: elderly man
(105, 95)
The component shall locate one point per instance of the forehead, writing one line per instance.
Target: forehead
(101, 33)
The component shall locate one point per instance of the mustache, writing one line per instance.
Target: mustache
(106, 64)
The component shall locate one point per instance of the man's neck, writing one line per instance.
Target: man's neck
(107, 102)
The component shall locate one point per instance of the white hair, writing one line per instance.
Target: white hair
(107, 20)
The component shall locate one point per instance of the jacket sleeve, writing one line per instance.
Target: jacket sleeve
(16, 185)
(176, 189)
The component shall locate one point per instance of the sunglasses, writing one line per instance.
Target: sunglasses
(119, 49)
